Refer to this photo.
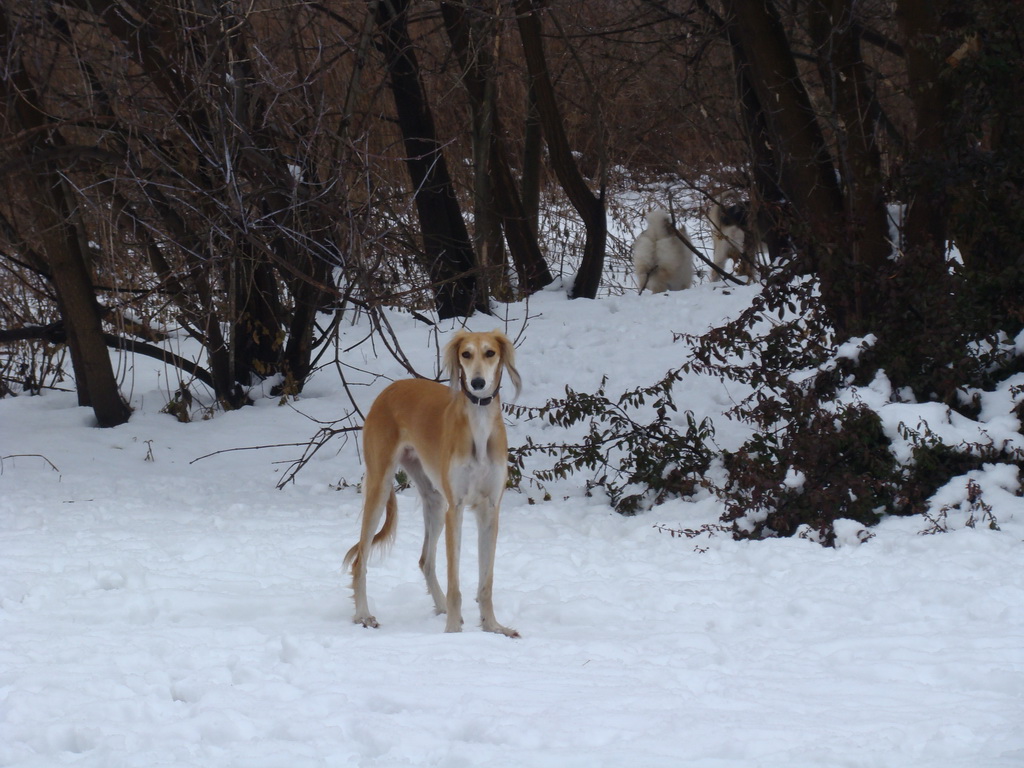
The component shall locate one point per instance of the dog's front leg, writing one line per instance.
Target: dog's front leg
(453, 546)
(487, 527)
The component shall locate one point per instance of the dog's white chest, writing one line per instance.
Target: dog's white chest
(479, 478)
(478, 482)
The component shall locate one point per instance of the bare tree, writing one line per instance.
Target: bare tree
(180, 135)
(500, 213)
(239, 170)
(589, 206)
(54, 239)
(448, 252)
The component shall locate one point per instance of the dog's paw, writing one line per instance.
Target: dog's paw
(367, 621)
(500, 630)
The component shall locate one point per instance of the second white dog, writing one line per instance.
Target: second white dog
(661, 258)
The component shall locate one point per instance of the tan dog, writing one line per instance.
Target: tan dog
(450, 439)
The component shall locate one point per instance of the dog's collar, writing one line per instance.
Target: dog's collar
(481, 401)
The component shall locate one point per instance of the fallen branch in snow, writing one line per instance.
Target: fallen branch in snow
(26, 456)
(691, 533)
(319, 440)
(708, 529)
(245, 448)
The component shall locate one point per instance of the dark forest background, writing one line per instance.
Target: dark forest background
(246, 170)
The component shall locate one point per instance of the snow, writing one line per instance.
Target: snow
(852, 349)
(161, 611)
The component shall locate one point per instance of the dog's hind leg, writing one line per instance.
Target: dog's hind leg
(379, 496)
(433, 524)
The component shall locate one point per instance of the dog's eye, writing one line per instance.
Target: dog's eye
(489, 353)
(467, 355)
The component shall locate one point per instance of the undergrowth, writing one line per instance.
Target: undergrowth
(816, 455)
(638, 455)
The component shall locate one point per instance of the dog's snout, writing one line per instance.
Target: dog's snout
(478, 383)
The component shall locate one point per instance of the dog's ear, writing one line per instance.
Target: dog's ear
(508, 359)
(450, 360)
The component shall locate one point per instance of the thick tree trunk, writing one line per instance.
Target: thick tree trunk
(927, 215)
(472, 39)
(520, 231)
(60, 245)
(73, 282)
(766, 196)
(495, 181)
(843, 72)
(256, 312)
(296, 364)
(807, 177)
(589, 206)
(533, 154)
(450, 259)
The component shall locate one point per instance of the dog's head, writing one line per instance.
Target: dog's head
(474, 362)
(659, 223)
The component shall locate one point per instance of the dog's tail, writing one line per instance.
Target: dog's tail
(383, 538)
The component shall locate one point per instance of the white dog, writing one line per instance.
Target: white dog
(662, 258)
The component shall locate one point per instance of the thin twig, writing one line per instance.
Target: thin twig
(27, 456)
(247, 448)
(686, 241)
(319, 441)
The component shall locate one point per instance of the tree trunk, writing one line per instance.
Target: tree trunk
(520, 232)
(766, 196)
(497, 184)
(533, 153)
(843, 72)
(471, 32)
(255, 311)
(806, 173)
(927, 205)
(73, 282)
(450, 260)
(296, 364)
(61, 247)
(587, 204)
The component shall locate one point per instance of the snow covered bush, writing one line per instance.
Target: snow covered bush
(824, 465)
(832, 438)
(639, 459)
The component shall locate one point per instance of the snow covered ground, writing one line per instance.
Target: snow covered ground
(161, 611)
